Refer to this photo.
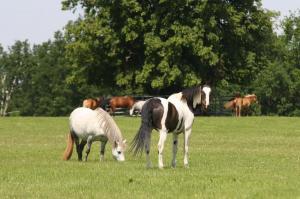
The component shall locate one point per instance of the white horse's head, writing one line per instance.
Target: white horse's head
(118, 150)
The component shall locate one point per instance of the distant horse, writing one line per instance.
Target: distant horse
(247, 101)
(137, 107)
(93, 125)
(240, 103)
(92, 103)
(175, 114)
(120, 102)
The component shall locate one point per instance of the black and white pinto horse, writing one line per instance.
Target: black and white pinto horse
(175, 114)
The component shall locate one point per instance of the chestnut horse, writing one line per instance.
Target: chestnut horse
(92, 103)
(238, 103)
(120, 102)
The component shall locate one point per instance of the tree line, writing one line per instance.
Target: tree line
(156, 47)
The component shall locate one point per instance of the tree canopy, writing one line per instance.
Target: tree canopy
(156, 47)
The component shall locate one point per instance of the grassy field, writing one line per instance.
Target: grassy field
(251, 157)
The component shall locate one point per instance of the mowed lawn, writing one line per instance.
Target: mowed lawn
(250, 157)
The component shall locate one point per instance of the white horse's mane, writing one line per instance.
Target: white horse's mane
(109, 126)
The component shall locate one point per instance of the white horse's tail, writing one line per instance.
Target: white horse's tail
(69, 149)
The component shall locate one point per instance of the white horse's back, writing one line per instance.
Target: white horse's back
(85, 122)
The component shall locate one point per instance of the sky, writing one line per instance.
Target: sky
(37, 20)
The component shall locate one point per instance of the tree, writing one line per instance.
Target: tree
(160, 46)
(278, 85)
(44, 91)
(13, 67)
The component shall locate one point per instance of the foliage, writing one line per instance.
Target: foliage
(279, 83)
(13, 67)
(162, 46)
(156, 47)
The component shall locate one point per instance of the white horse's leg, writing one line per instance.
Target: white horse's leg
(187, 134)
(80, 149)
(88, 147)
(162, 139)
(102, 150)
(131, 111)
(175, 144)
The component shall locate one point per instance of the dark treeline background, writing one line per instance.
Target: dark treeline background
(156, 47)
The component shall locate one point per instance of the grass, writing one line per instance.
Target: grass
(250, 157)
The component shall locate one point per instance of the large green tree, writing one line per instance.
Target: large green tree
(158, 46)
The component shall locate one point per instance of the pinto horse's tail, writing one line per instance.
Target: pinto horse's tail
(68, 151)
(143, 136)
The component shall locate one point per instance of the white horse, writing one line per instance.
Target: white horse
(94, 125)
(137, 106)
(175, 114)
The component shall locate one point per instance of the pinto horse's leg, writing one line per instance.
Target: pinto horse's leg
(161, 143)
(175, 144)
(187, 134)
(88, 149)
(102, 150)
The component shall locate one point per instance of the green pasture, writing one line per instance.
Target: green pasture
(250, 157)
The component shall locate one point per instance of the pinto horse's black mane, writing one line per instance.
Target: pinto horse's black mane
(188, 95)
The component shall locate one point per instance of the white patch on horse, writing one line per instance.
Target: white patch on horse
(164, 102)
(175, 99)
(207, 91)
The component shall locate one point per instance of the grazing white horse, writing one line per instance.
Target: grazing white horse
(175, 114)
(137, 106)
(94, 125)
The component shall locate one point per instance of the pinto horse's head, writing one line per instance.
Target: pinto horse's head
(202, 96)
(205, 92)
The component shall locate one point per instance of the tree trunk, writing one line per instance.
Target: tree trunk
(2, 99)
(7, 92)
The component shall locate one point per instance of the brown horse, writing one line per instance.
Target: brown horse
(238, 103)
(120, 102)
(92, 103)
